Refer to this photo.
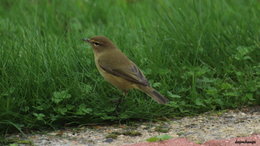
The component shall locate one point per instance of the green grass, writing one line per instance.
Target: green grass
(203, 55)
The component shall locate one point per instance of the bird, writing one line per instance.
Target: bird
(119, 70)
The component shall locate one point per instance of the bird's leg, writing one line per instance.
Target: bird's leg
(121, 99)
(125, 92)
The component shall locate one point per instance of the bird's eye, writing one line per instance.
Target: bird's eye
(96, 44)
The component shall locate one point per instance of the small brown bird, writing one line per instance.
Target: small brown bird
(120, 71)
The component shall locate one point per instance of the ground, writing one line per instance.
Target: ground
(207, 129)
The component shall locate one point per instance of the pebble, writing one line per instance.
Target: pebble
(109, 140)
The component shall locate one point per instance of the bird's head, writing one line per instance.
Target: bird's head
(100, 43)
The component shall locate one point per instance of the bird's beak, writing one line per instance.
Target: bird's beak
(86, 40)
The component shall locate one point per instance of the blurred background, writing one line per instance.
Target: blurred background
(202, 55)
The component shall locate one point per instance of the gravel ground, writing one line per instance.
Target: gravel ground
(199, 129)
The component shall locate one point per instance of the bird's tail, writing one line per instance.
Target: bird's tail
(154, 94)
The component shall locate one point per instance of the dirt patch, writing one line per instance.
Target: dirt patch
(207, 129)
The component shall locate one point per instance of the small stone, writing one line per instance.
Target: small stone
(190, 126)
(143, 127)
(228, 116)
(109, 140)
(243, 114)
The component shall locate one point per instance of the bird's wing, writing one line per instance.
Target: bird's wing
(122, 67)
